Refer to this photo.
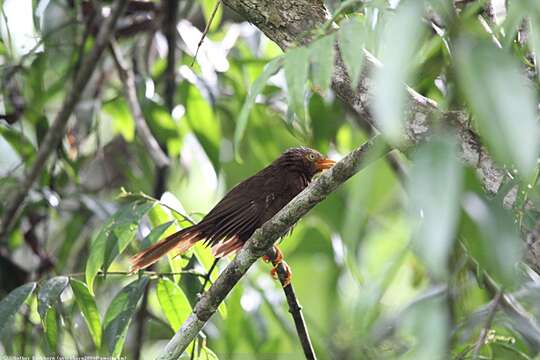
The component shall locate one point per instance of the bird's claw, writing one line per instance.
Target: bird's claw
(288, 273)
(277, 260)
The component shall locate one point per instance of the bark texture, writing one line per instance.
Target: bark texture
(290, 23)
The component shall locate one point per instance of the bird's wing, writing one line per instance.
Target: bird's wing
(238, 214)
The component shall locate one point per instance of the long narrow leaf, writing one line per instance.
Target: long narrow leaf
(87, 304)
(118, 317)
(259, 84)
(113, 238)
(174, 303)
(12, 302)
(503, 102)
(434, 189)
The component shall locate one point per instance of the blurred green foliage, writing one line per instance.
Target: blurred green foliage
(389, 266)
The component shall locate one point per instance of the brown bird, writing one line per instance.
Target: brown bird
(244, 209)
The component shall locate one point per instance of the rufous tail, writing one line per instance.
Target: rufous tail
(180, 241)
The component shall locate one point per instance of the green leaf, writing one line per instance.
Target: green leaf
(164, 127)
(502, 101)
(87, 304)
(20, 143)
(173, 302)
(296, 66)
(428, 321)
(493, 239)
(48, 299)
(156, 234)
(204, 123)
(207, 354)
(259, 84)
(121, 118)
(435, 192)
(118, 317)
(113, 238)
(322, 58)
(351, 43)
(161, 214)
(49, 294)
(400, 42)
(50, 327)
(12, 302)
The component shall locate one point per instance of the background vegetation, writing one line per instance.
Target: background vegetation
(418, 256)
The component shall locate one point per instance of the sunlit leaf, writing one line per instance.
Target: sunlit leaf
(174, 303)
(121, 118)
(399, 42)
(255, 90)
(50, 327)
(322, 58)
(12, 302)
(48, 300)
(119, 315)
(160, 214)
(502, 101)
(49, 293)
(204, 123)
(156, 234)
(434, 190)
(113, 238)
(87, 304)
(164, 127)
(351, 43)
(207, 354)
(296, 66)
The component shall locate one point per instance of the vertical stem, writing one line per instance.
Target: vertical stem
(169, 29)
(294, 308)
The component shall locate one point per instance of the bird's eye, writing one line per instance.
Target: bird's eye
(311, 157)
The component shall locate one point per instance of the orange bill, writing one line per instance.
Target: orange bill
(324, 164)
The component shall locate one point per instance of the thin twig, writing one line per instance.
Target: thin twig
(143, 272)
(141, 322)
(263, 239)
(489, 320)
(130, 92)
(206, 29)
(294, 307)
(56, 131)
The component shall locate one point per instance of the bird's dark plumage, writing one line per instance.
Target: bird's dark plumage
(244, 208)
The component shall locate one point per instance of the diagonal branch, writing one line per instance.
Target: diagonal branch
(146, 136)
(56, 131)
(263, 239)
(290, 23)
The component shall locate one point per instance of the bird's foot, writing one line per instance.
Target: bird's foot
(288, 273)
(277, 260)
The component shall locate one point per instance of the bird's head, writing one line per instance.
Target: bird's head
(304, 160)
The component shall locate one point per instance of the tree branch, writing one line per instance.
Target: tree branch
(263, 239)
(289, 23)
(130, 92)
(171, 34)
(56, 131)
(294, 307)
